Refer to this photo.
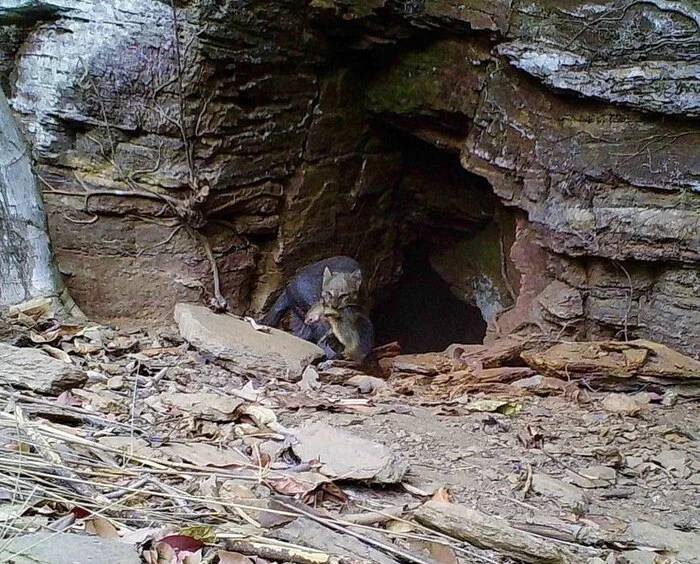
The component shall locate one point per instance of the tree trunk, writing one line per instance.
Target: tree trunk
(27, 270)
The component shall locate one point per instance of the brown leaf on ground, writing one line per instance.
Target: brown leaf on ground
(326, 492)
(530, 438)
(442, 553)
(83, 348)
(442, 494)
(35, 310)
(102, 528)
(301, 483)
(203, 454)
(56, 353)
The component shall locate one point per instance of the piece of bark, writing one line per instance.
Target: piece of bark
(503, 352)
(283, 553)
(485, 531)
(615, 363)
(578, 533)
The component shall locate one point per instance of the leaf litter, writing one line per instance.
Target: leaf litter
(170, 453)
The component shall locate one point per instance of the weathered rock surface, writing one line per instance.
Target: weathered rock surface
(32, 369)
(243, 349)
(68, 548)
(581, 118)
(347, 456)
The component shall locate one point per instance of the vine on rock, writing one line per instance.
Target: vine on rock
(187, 212)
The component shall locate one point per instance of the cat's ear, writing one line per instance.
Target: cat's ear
(326, 275)
(357, 277)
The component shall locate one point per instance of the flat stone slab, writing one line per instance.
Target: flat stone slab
(32, 369)
(243, 349)
(68, 548)
(347, 456)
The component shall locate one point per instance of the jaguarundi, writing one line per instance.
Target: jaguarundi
(327, 306)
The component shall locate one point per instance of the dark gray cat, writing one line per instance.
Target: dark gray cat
(332, 286)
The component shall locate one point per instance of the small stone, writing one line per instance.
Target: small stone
(672, 460)
(115, 382)
(633, 461)
(569, 495)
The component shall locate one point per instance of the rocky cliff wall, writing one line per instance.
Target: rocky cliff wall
(278, 130)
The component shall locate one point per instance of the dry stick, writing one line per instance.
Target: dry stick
(48, 454)
(373, 517)
(629, 299)
(285, 554)
(331, 524)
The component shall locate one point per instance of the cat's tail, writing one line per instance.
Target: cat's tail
(273, 317)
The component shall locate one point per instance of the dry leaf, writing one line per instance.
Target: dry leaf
(140, 536)
(203, 454)
(493, 405)
(34, 309)
(56, 353)
(442, 553)
(413, 490)
(102, 528)
(226, 557)
(300, 483)
(530, 438)
(45, 337)
(202, 533)
(261, 416)
(442, 494)
(211, 407)
(165, 554)
(83, 348)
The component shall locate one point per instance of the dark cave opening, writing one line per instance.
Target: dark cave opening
(422, 313)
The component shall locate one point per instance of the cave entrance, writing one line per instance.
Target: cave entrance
(452, 245)
(422, 313)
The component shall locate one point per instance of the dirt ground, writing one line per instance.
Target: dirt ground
(487, 460)
(547, 458)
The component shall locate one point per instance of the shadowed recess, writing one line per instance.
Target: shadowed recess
(422, 313)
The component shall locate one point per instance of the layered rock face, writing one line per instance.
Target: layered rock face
(547, 152)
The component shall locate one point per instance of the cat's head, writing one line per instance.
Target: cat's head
(341, 289)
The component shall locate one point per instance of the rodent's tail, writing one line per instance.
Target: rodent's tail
(272, 317)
